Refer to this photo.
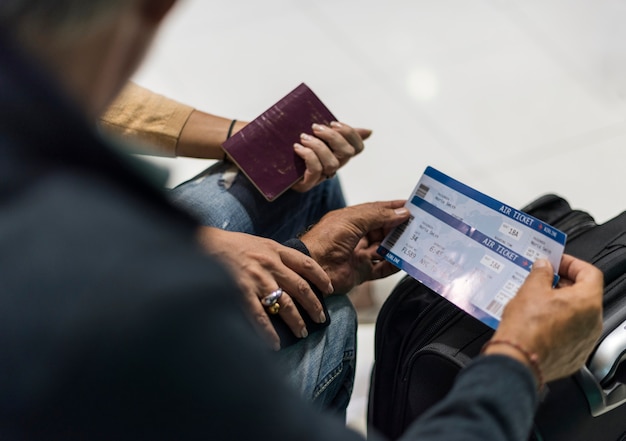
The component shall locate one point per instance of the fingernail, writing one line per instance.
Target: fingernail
(317, 127)
(305, 136)
(322, 317)
(331, 288)
(304, 333)
(298, 146)
(336, 125)
(276, 347)
(540, 263)
(401, 211)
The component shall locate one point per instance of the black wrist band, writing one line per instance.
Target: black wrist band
(230, 128)
(228, 135)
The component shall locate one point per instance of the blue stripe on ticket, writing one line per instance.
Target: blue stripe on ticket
(510, 212)
(473, 233)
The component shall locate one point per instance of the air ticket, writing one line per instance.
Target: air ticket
(468, 247)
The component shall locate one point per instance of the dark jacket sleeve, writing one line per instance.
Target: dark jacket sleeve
(494, 398)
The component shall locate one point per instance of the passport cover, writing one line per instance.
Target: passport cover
(263, 149)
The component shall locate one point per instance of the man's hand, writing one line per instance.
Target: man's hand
(344, 242)
(261, 266)
(560, 325)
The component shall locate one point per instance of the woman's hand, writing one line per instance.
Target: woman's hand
(261, 266)
(326, 150)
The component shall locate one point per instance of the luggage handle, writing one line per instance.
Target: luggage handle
(601, 400)
(602, 378)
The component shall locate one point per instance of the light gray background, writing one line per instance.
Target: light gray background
(515, 98)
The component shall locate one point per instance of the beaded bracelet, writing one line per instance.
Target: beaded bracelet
(533, 359)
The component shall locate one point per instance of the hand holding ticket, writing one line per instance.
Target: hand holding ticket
(468, 247)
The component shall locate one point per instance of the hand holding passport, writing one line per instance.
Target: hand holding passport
(263, 149)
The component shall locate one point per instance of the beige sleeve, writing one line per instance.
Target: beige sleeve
(149, 118)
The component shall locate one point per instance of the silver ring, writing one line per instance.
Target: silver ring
(272, 298)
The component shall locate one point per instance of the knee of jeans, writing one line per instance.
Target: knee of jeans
(334, 193)
(341, 306)
(343, 315)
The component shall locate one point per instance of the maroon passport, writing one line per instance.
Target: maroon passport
(263, 149)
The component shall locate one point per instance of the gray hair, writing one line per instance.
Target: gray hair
(66, 19)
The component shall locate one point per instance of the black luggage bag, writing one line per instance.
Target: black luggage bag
(422, 341)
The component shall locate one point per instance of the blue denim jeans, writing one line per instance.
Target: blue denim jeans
(322, 366)
(223, 197)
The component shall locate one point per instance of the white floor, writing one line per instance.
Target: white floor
(515, 98)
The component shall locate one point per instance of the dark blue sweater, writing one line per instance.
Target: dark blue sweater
(114, 325)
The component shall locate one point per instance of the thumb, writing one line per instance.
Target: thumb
(541, 273)
(537, 283)
(372, 216)
(393, 214)
(363, 133)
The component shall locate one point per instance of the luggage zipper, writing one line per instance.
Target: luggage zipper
(444, 315)
(575, 223)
